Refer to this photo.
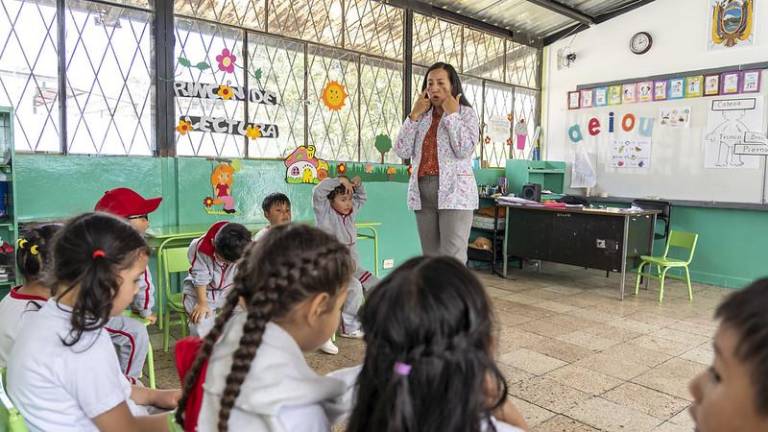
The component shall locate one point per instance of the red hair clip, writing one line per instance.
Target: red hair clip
(98, 253)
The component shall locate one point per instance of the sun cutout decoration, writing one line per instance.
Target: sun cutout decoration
(334, 95)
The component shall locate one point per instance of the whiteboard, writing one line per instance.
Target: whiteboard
(677, 162)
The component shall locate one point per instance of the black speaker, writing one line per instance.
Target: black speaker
(532, 191)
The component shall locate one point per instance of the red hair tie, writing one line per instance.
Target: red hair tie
(98, 253)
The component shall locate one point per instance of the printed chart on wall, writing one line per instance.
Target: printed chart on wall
(729, 122)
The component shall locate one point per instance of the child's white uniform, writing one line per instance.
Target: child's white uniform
(60, 388)
(281, 393)
(13, 309)
(130, 336)
(343, 228)
(205, 270)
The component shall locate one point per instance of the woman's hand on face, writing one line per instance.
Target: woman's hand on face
(451, 104)
(421, 106)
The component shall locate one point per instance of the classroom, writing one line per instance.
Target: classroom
(252, 182)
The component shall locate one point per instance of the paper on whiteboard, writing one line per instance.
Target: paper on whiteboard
(754, 144)
(582, 173)
(728, 122)
(675, 116)
(631, 152)
(499, 129)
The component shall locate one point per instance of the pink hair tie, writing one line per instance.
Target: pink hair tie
(98, 253)
(402, 369)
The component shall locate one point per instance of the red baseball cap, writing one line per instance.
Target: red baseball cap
(126, 202)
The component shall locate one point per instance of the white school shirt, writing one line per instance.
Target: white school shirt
(60, 388)
(281, 393)
(13, 309)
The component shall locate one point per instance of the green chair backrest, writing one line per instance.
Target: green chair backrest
(10, 418)
(682, 240)
(174, 261)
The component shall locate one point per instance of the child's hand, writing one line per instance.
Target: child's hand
(347, 185)
(152, 318)
(166, 399)
(200, 312)
(357, 181)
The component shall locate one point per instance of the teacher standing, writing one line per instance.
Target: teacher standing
(439, 136)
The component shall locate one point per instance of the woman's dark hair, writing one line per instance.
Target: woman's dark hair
(33, 250)
(231, 240)
(274, 199)
(88, 252)
(745, 312)
(434, 316)
(338, 190)
(290, 264)
(453, 76)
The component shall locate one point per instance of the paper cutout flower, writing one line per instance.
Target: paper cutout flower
(334, 95)
(226, 61)
(253, 132)
(208, 202)
(341, 169)
(183, 127)
(509, 141)
(368, 168)
(225, 92)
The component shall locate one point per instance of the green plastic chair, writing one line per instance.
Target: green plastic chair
(174, 260)
(679, 240)
(150, 364)
(10, 417)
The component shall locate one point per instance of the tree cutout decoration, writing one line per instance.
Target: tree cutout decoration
(383, 144)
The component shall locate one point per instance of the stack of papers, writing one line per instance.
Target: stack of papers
(510, 200)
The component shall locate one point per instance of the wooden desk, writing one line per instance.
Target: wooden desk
(593, 238)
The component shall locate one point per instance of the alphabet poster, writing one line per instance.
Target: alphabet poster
(728, 123)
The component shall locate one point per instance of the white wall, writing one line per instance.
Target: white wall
(679, 31)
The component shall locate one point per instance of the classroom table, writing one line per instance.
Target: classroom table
(163, 237)
(603, 239)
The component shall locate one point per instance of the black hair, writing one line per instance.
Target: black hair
(453, 76)
(231, 240)
(746, 311)
(338, 190)
(433, 315)
(274, 199)
(290, 264)
(33, 250)
(88, 252)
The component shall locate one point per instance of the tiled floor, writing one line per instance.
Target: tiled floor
(576, 358)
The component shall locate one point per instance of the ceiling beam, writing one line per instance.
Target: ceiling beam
(565, 10)
(577, 28)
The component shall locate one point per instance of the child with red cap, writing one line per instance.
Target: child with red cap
(130, 336)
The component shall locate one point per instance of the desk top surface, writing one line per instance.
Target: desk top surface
(611, 211)
(192, 231)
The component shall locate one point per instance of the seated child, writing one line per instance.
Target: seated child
(63, 373)
(429, 361)
(277, 210)
(32, 258)
(732, 395)
(293, 282)
(129, 336)
(213, 259)
(336, 202)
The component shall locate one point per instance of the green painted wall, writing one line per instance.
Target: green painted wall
(56, 187)
(732, 251)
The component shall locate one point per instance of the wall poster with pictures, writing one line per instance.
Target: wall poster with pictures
(601, 96)
(660, 90)
(614, 95)
(711, 85)
(586, 98)
(629, 93)
(693, 86)
(573, 100)
(750, 81)
(676, 88)
(645, 91)
(730, 83)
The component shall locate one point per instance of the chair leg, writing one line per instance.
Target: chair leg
(166, 330)
(639, 277)
(151, 366)
(661, 287)
(688, 281)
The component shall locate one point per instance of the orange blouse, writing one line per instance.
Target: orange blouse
(428, 165)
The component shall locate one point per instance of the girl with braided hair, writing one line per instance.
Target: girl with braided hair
(429, 363)
(292, 283)
(31, 259)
